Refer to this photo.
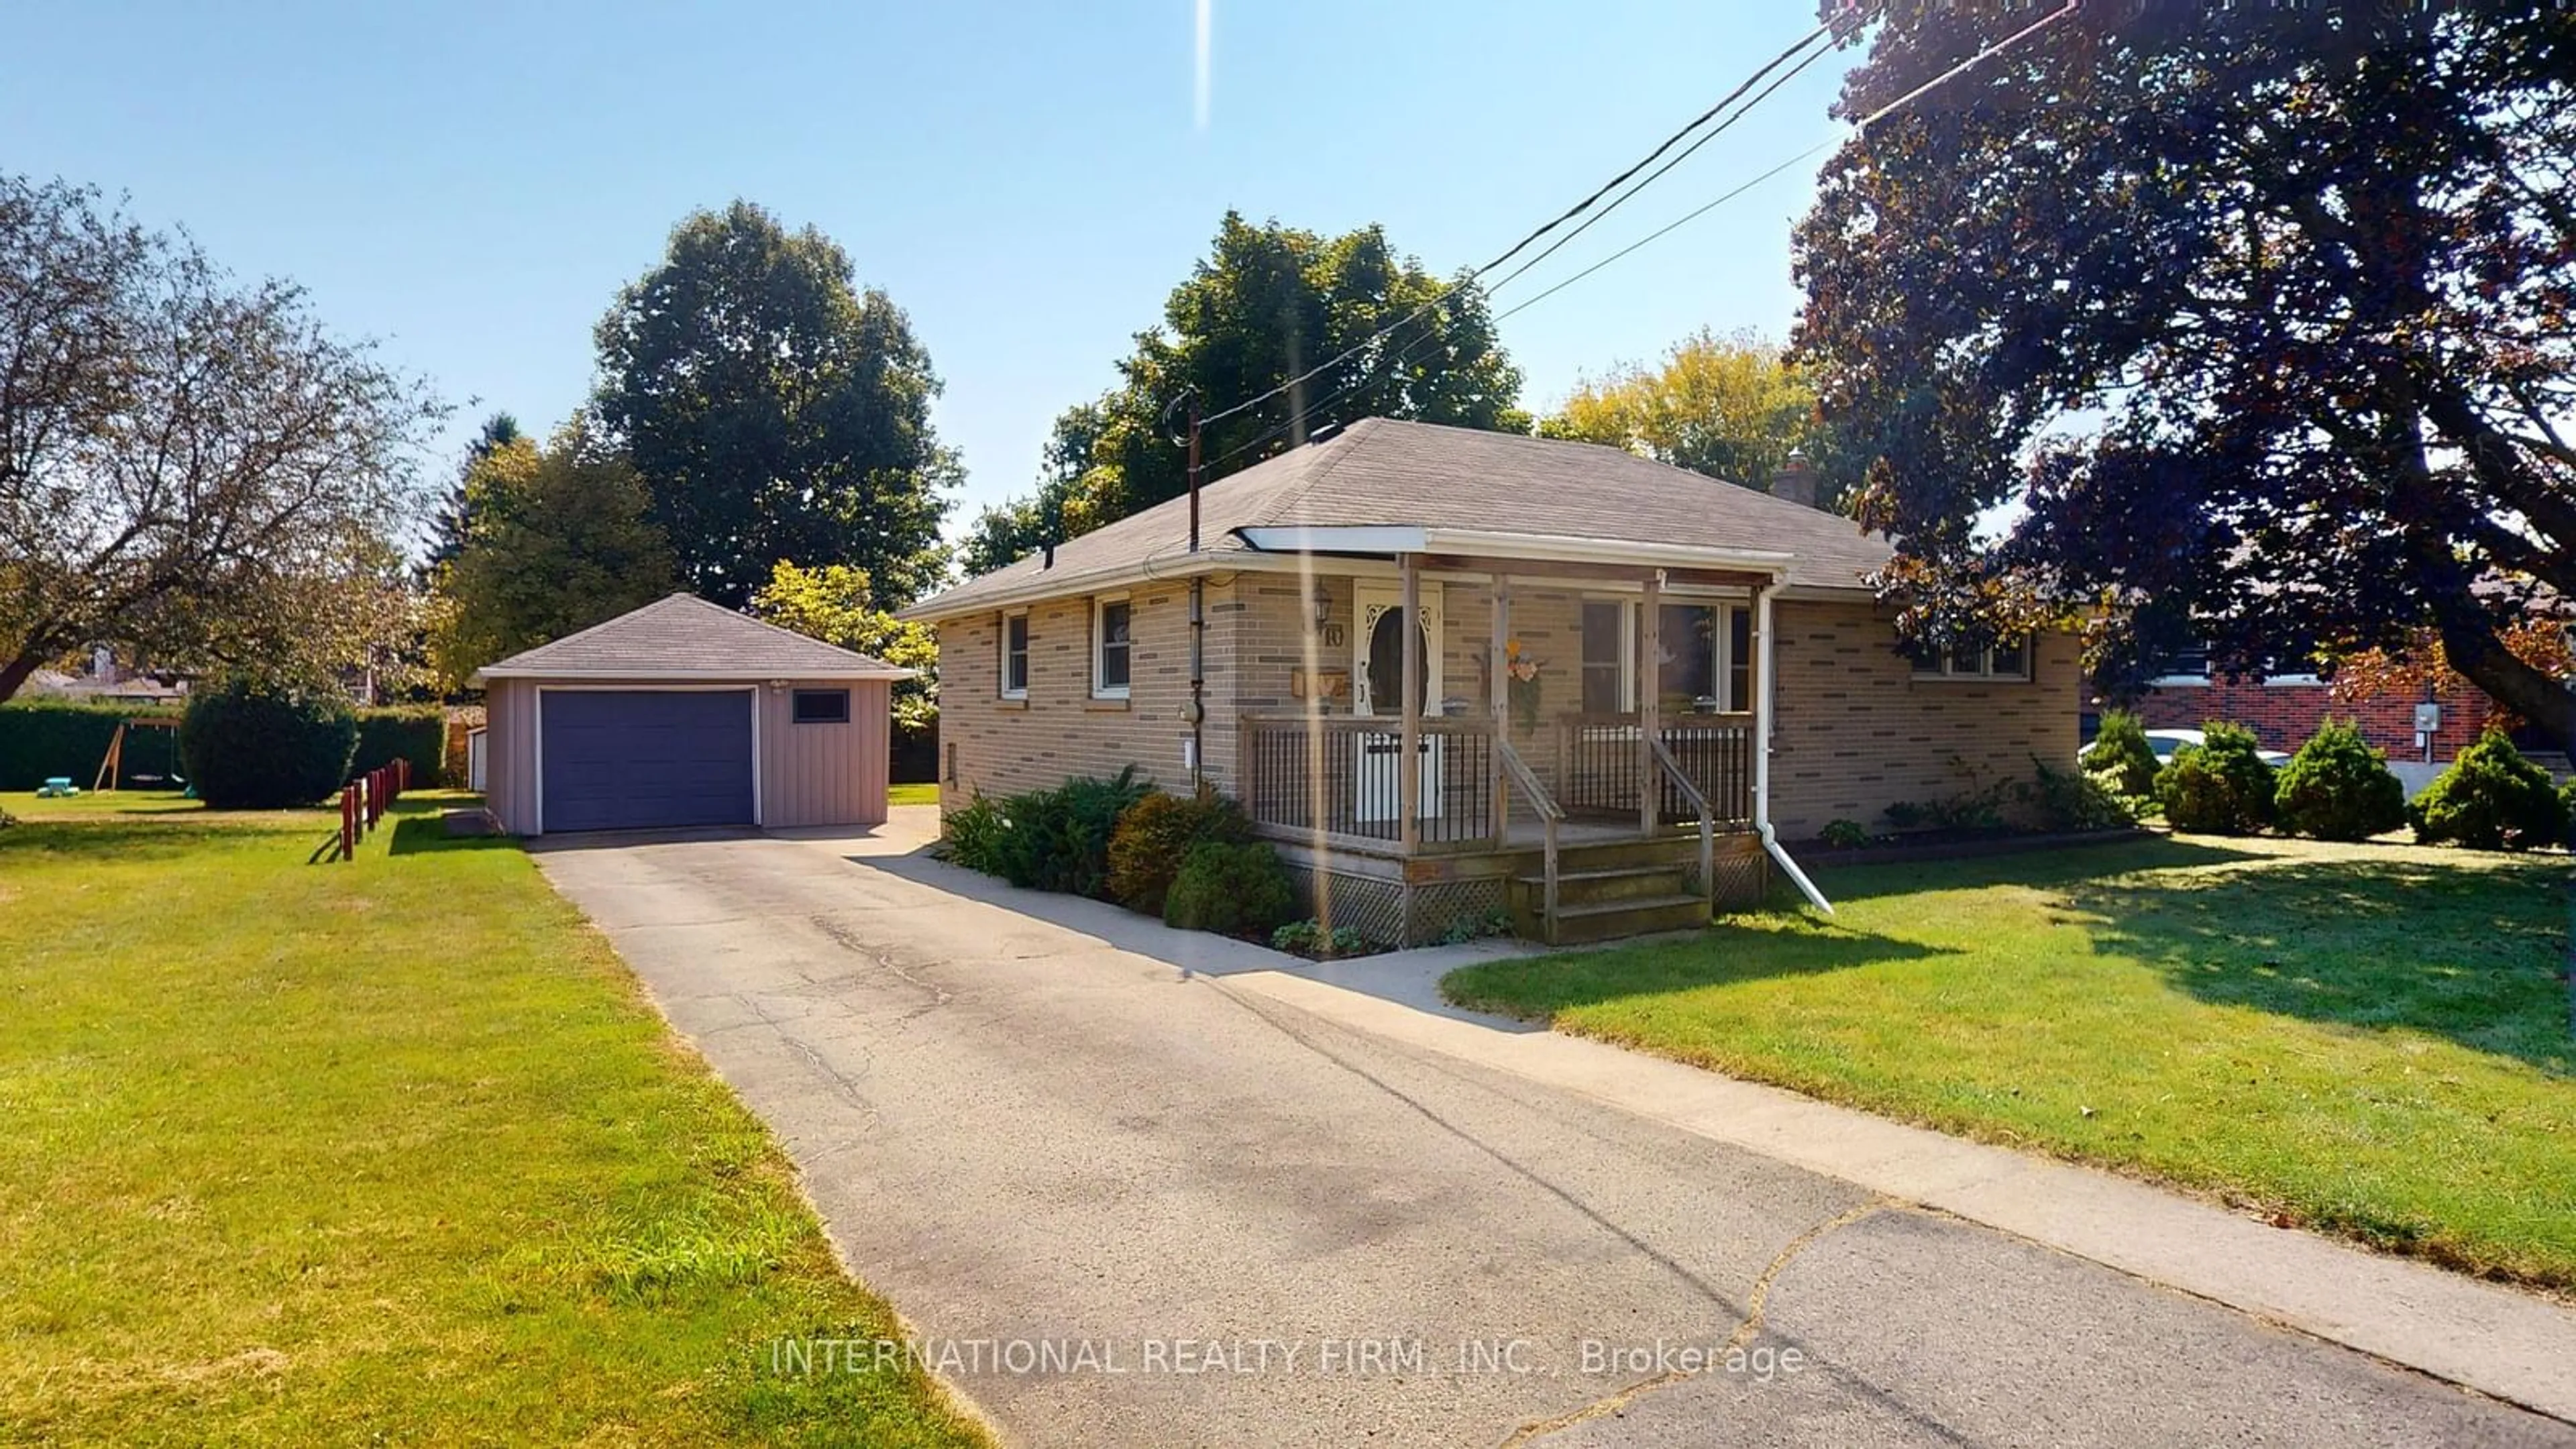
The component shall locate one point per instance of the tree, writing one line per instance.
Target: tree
(455, 516)
(1731, 407)
(1269, 303)
(775, 410)
(2418, 668)
(190, 467)
(2304, 275)
(561, 538)
(835, 604)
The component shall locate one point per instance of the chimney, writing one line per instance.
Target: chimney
(1796, 481)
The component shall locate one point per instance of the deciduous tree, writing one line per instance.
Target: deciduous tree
(561, 538)
(1268, 304)
(1731, 407)
(836, 605)
(2301, 279)
(776, 410)
(191, 467)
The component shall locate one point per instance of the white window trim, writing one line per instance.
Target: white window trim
(1721, 643)
(1099, 637)
(1984, 673)
(1002, 671)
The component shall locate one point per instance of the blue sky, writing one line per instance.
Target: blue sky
(471, 184)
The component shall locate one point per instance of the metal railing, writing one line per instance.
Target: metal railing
(1601, 770)
(1342, 775)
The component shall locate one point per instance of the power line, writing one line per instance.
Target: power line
(1859, 128)
(1552, 224)
(1713, 133)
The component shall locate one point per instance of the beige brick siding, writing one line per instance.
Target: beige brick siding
(1853, 731)
(999, 747)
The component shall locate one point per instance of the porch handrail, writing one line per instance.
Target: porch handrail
(1524, 779)
(1692, 797)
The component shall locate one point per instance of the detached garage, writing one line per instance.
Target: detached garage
(683, 713)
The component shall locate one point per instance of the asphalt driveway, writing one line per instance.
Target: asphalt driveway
(1122, 1202)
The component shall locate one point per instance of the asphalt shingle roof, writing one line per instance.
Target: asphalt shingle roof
(1383, 472)
(684, 636)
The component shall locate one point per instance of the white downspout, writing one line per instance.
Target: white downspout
(1762, 749)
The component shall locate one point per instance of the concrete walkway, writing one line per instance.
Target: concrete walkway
(1032, 1120)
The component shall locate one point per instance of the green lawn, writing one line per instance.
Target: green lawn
(912, 794)
(2370, 1039)
(390, 1149)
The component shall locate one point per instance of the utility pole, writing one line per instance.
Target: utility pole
(1197, 709)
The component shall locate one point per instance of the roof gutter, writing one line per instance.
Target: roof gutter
(690, 676)
(1492, 543)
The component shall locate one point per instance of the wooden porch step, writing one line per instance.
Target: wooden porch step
(1634, 916)
(1609, 883)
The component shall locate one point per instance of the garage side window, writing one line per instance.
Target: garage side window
(1111, 648)
(821, 706)
(1015, 656)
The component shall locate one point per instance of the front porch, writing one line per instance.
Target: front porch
(1625, 767)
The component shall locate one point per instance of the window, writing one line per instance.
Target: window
(1705, 663)
(820, 706)
(1015, 656)
(2003, 661)
(1111, 648)
(1605, 656)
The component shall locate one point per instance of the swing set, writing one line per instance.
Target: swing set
(112, 772)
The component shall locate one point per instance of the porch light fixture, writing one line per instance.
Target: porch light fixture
(1323, 605)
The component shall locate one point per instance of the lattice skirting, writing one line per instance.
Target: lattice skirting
(1742, 880)
(1377, 907)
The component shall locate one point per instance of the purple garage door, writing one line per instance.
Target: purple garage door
(628, 759)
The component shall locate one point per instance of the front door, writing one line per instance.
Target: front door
(1377, 688)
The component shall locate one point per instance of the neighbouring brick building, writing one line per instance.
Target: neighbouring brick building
(1604, 643)
(2283, 710)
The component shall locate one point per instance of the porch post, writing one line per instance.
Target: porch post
(1408, 760)
(1650, 702)
(1502, 698)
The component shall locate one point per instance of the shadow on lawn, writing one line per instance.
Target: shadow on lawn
(2473, 953)
(1859, 880)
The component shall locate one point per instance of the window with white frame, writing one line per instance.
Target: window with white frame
(1704, 660)
(2008, 660)
(1015, 655)
(1112, 647)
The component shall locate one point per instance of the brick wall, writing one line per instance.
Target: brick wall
(1853, 731)
(2284, 715)
(997, 746)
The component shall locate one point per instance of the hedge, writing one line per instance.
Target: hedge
(41, 738)
(417, 733)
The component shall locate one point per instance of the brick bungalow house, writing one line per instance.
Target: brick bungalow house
(1629, 684)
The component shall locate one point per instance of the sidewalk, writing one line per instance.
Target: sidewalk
(2508, 1344)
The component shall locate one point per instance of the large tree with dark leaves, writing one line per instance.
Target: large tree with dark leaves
(1268, 304)
(775, 410)
(2304, 279)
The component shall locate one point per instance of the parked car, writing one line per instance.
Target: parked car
(2165, 742)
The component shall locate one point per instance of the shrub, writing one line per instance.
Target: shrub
(2221, 786)
(2492, 799)
(417, 733)
(2121, 758)
(1845, 834)
(2057, 800)
(1307, 938)
(1049, 840)
(1145, 850)
(1233, 889)
(2338, 788)
(257, 746)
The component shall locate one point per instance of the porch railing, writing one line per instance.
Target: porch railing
(1600, 770)
(1343, 773)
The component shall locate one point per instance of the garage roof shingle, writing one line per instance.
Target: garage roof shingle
(685, 637)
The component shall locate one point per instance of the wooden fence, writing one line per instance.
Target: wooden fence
(363, 803)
